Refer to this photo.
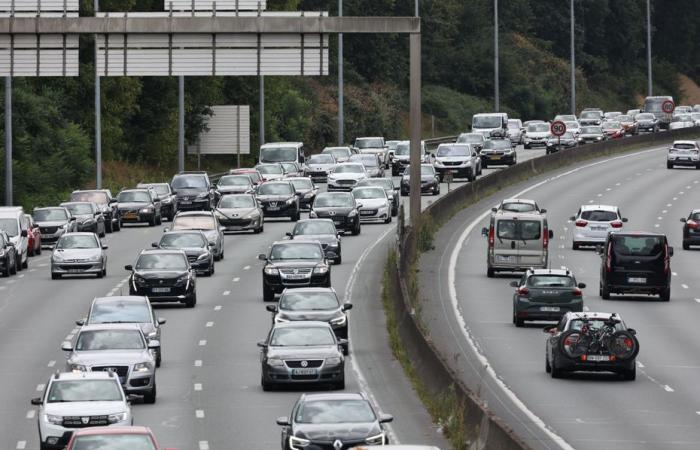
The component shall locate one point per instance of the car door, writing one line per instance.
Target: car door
(505, 247)
(530, 238)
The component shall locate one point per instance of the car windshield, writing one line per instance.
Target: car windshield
(565, 117)
(302, 184)
(335, 411)
(50, 215)
(550, 281)
(644, 116)
(470, 138)
(302, 337)
(162, 261)
(567, 135)
(453, 150)
(590, 115)
(234, 180)
(203, 222)
(513, 125)
(571, 125)
(309, 301)
(526, 230)
(113, 441)
(160, 188)
(591, 130)
(342, 200)
(296, 251)
(599, 216)
(97, 197)
(315, 227)
(518, 207)
(623, 118)
(118, 311)
(487, 122)
(538, 128)
(289, 167)
(365, 160)
(192, 182)
(497, 144)
(134, 196)
(638, 245)
(369, 192)
(338, 152)
(183, 240)
(321, 159)
(237, 201)
(270, 169)
(110, 340)
(9, 226)
(84, 391)
(349, 168)
(369, 143)
(278, 154)
(403, 149)
(682, 118)
(385, 183)
(79, 209)
(611, 126)
(275, 189)
(77, 241)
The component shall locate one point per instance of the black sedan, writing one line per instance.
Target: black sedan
(392, 191)
(294, 264)
(498, 152)
(137, 205)
(322, 231)
(333, 421)
(8, 256)
(646, 123)
(554, 143)
(195, 245)
(279, 199)
(163, 276)
(305, 189)
(341, 208)
(429, 180)
(168, 200)
(88, 217)
(301, 353)
(691, 229)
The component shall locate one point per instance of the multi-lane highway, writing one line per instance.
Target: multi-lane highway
(470, 315)
(209, 394)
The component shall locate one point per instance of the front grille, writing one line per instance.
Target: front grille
(167, 282)
(368, 212)
(302, 271)
(346, 182)
(329, 445)
(78, 422)
(75, 267)
(235, 222)
(310, 363)
(452, 163)
(304, 377)
(192, 258)
(121, 371)
(48, 230)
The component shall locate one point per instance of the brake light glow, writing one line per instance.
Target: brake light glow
(693, 225)
(666, 258)
(577, 292)
(545, 238)
(616, 224)
(491, 236)
(581, 223)
(523, 291)
(608, 259)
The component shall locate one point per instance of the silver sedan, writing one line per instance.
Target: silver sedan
(79, 254)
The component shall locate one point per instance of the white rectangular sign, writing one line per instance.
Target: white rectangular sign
(31, 55)
(45, 8)
(228, 132)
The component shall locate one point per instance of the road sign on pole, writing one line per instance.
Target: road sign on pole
(668, 106)
(558, 128)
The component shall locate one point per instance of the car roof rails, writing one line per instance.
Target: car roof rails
(193, 172)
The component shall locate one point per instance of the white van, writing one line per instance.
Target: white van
(279, 152)
(516, 242)
(16, 224)
(491, 125)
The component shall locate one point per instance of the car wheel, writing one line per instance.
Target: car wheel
(159, 357)
(666, 295)
(110, 227)
(629, 374)
(388, 219)
(152, 221)
(191, 300)
(43, 446)
(118, 226)
(338, 260)
(490, 272)
(100, 274)
(267, 387)
(604, 292)
(669, 165)
(547, 367)
(13, 268)
(517, 321)
(211, 269)
(25, 264)
(484, 166)
(268, 294)
(160, 220)
(555, 372)
(686, 246)
(356, 230)
(150, 397)
(6, 271)
(340, 385)
(221, 256)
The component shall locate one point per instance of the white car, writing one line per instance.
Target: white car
(375, 205)
(683, 153)
(681, 121)
(461, 160)
(78, 400)
(594, 222)
(574, 127)
(536, 135)
(345, 176)
(696, 118)
(515, 131)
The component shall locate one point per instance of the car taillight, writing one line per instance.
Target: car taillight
(523, 291)
(545, 238)
(491, 236)
(693, 225)
(577, 292)
(581, 223)
(616, 224)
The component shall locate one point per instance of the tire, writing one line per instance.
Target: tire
(117, 226)
(404, 193)
(268, 294)
(160, 220)
(669, 165)
(55, 276)
(295, 216)
(388, 219)
(13, 269)
(267, 387)
(666, 295)
(211, 270)
(624, 345)
(470, 176)
(221, 256)
(150, 397)
(526, 147)
(436, 191)
(159, 357)
(339, 385)
(686, 246)
(25, 264)
(518, 322)
(110, 227)
(356, 231)
(191, 300)
(579, 347)
(6, 271)
(338, 260)
(547, 367)
(100, 274)
(575, 246)
(490, 272)
(484, 166)
(152, 221)
(604, 292)
(555, 372)
(43, 446)
(629, 374)
(257, 230)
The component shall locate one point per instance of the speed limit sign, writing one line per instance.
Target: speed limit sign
(668, 106)
(558, 128)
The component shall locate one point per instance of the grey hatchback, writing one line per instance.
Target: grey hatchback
(546, 294)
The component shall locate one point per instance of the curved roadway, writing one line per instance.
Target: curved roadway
(469, 315)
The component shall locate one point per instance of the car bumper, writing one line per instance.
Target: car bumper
(139, 385)
(341, 186)
(535, 143)
(283, 210)
(375, 215)
(176, 294)
(137, 217)
(193, 205)
(649, 289)
(456, 171)
(324, 374)
(77, 268)
(685, 161)
(277, 284)
(240, 224)
(593, 237)
(527, 310)
(574, 365)
(492, 160)
(318, 177)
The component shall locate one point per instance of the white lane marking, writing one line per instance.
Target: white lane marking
(640, 365)
(674, 274)
(681, 193)
(656, 225)
(687, 187)
(198, 386)
(695, 182)
(566, 229)
(226, 293)
(600, 195)
(483, 360)
(697, 300)
(668, 388)
(43, 265)
(586, 308)
(51, 363)
(203, 342)
(198, 363)
(659, 218)
(236, 280)
(669, 204)
(684, 286)
(246, 268)
(199, 414)
(590, 201)
(20, 276)
(675, 198)
(31, 414)
(203, 445)
(40, 387)
(664, 211)
(210, 324)
(21, 445)
(217, 308)
(617, 184)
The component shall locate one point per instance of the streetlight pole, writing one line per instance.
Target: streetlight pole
(497, 101)
(649, 78)
(98, 114)
(261, 102)
(341, 92)
(181, 123)
(8, 141)
(573, 62)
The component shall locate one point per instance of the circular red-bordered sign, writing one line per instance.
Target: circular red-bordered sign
(558, 128)
(668, 106)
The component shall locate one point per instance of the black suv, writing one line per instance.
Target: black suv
(193, 191)
(139, 205)
(279, 199)
(294, 264)
(106, 203)
(163, 276)
(341, 208)
(636, 263)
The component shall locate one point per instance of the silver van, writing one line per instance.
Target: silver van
(15, 223)
(516, 242)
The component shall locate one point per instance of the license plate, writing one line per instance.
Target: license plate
(636, 280)
(296, 277)
(495, 157)
(131, 215)
(367, 213)
(304, 371)
(185, 202)
(454, 171)
(508, 259)
(273, 208)
(598, 358)
(684, 159)
(550, 309)
(161, 289)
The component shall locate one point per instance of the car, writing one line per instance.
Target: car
(683, 153)
(646, 123)
(555, 143)
(139, 206)
(115, 438)
(271, 171)
(79, 400)
(696, 108)
(195, 245)
(613, 129)
(14, 223)
(491, 125)
(390, 149)
(53, 221)
(591, 342)
(279, 199)
(518, 205)
(460, 160)
(691, 229)
(515, 131)
(292, 264)
(565, 118)
(345, 176)
(372, 145)
(333, 420)
(9, 260)
(696, 118)
(254, 175)
(34, 237)
(546, 294)
(88, 217)
(305, 189)
(611, 115)
(429, 180)
(318, 167)
(635, 263)
(591, 118)
(592, 223)
(375, 205)
(633, 112)
(292, 169)
(536, 135)
(574, 127)
(278, 152)
(402, 157)
(163, 276)
(207, 223)
(373, 166)
(118, 347)
(683, 109)
(341, 154)
(392, 191)
(498, 152)
(628, 124)
(401, 447)
(527, 123)
(320, 304)
(79, 253)
(193, 191)
(476, 140)
(681, 121)
(105, 203)
(301, 353)
(168, 200)
(240, 212)
(591, 134)
(341, 207)
(322, 231)
(234, 184)
(127, 309)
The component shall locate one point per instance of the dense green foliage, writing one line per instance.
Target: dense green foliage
(54, 118)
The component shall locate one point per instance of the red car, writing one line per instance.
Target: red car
(255, 176)
(34, 237)
(613, 129)
(114, 438)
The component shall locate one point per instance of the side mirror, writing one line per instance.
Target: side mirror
(154, 244)
(262, 344)
(112, 201)
(289, 233)
(23, 233)
(484, 231)
(154, 343)
(129, 267)
(582, 285)
(494, 209)
(166, 229)
(36, 401)
(80, 322)
(271, 308)
(551, 234)
(212, 244)
(97, 214)
(105, 247)
(262, 257)
(386, 418)
(683, 219)
(161, 321)
(624, 219)
(543, 211)
(549, 329)
(572, 218)
(67, 347)
(72, 219)
(346, 306)
(514, 284)
(331, 255)
(283, 421)
(670, 251)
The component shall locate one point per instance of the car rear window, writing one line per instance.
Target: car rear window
(518, 207)
(638, 245)
(684, 146)
(526, 230)
(599, 216)
(550, 281)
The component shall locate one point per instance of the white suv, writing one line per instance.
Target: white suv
(77, 400)
(683, 153)
(594, 222)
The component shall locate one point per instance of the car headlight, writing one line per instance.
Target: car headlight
(334, 361)
(57, 257)
(203, 195)
(271, 271)
(78, 368)
(290, 201)
(309, 195)
(182, 278)
(56, 420)
(140, 281)
(352, 213)
(251, 215)
(339, 320)
(599, 138)
(313, 215)
(147, 210)
(152, 335)
(203, 256)
(378, 439)
(439, 163)
(95, 258)
(142, 367)
(118, 417)
(279, 319)
(275, 362)
(296, 443)
(88, 221)
(166, 201)
(321, 270)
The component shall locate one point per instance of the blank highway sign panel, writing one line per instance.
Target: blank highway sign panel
(228, 132)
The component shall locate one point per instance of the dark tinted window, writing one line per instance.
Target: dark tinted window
(50, 215)
(159, 261)
(275, 189)
(638, 245)
(314, 301)
(518, 207)
(327, 200)
(84, 390)
(335, 411)
(134, 196)
(527, 230)
(550, 281)
(191, 181)
(183, 240)
(599, 216)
